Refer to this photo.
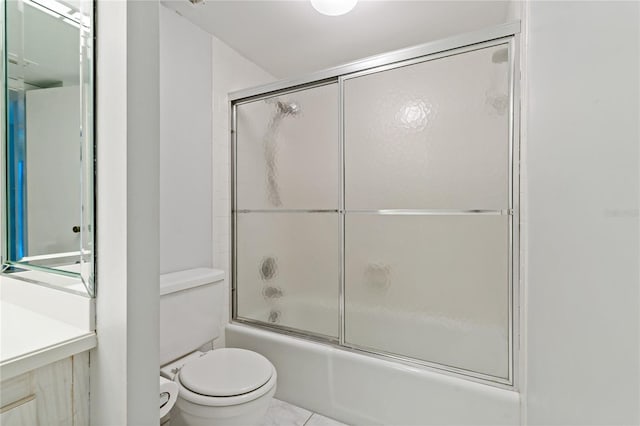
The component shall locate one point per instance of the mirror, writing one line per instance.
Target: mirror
(48, 140)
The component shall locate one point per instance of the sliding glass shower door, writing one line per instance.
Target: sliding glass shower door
(287, 199)
(427, 198)
(375, 210)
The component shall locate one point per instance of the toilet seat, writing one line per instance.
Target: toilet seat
(225, 377)
(226, 372)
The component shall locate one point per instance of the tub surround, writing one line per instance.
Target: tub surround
(53, 325)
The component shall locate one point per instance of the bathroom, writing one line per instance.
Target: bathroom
(245, 149)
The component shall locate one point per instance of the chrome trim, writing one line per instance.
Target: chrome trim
(286, 91)
(440, 55)
(416, 212)
(342, 327)
(433, 212)
(510, 268)
(515, 220)
(480, 36)
(291, 331)
(286, 211)
(20, 277)
(4, 245)
(34, 267)
(50, 256)
(233, 290)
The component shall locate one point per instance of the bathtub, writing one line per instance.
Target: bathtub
(363, 390)
(369, 322)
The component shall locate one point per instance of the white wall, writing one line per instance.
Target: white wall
(582, 174)
(186, 183)
(197, 73)
(124, 366)
(583, 165)
(231, 72)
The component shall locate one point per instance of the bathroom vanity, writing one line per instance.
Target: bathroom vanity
(55, 394)
(44, 361)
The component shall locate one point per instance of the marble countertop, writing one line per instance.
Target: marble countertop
(29, 340)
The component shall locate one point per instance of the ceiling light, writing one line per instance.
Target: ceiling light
(333, 7)
(58, 9)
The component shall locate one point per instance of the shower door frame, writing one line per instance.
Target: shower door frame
(505, 34)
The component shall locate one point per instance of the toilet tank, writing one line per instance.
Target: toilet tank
(191, 305)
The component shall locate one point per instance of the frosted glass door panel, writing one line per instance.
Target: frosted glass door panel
(434, 135)
(434, 288)
(287, 151)
(288, 268)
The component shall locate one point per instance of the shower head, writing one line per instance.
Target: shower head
(288, 108)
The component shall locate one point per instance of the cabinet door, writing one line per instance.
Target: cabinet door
(20, 413)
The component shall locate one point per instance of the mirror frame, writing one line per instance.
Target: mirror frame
(46, 275)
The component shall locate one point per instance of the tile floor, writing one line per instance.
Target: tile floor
(282, 413)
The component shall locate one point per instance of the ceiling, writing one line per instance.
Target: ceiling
(289, 38)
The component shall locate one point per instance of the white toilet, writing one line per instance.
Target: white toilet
(226, 386)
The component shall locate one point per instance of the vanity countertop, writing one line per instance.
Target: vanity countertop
(30, 339)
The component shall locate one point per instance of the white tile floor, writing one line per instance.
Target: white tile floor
(282, 413)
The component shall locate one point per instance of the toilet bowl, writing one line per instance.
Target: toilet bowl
(227, 386)
(224, 387)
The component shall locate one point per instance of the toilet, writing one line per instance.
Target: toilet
(227, 386)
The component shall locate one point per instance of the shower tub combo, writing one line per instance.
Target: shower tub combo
(375, 224)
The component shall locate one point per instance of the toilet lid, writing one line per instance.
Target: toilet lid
(226, 372)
